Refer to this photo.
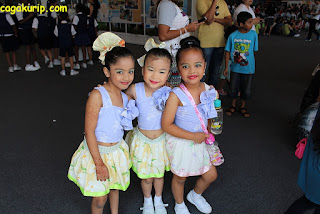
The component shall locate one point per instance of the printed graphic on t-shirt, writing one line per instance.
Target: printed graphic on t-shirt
(241, 51)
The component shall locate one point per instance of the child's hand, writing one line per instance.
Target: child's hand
(199, 137)
(225, 73)
(102, 173)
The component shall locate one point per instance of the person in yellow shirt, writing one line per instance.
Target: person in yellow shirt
(211, 35)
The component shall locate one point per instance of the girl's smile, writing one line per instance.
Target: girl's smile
(156, 71)
(121, 74)
(192, 65)
(154, 82)
(192, 77)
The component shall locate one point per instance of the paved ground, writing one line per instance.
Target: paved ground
(258, 177)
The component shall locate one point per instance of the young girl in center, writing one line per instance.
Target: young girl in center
(147, 141)
(101, 164)
(185, 137)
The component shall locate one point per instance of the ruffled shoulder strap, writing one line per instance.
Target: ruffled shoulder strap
(160, 97)
(106, 101)
(129, 113)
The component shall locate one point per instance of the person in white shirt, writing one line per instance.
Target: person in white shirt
(42, 25)
(315, 17)
(26, 36)
(9, 40)
(245, 6)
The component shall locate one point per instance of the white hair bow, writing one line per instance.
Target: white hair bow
(106, 42)
(148, 46)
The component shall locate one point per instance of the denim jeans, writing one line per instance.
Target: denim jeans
(214, 58)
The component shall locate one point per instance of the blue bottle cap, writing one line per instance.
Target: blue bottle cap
(217, 104)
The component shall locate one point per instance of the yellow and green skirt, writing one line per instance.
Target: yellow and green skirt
(82, 170)
(148, 156)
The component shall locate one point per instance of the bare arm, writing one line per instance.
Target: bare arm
(26, 19)
(91, 9)
(131, 92)
(165, 34)
(169, 127)
(93, 106)
(226, 21)
(210, 12)
(227, 58)
(15, 30)
(256, 21)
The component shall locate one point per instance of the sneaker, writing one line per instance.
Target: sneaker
(76, 66)
(36, 64)
(67, 65)
(84, 65)
(30, 68)
(46, 60)
(63, 73)
(147, 208)
(73, 72)
(200, 202)
(297, 35)
(56, 62)
(222, 92)
(181, 210)
(160, 208)
(16, 68)
(307, 40)
(90, 62)
(10, 70)
(50, 65)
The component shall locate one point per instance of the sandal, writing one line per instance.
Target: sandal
(231, 110)
(244, 112)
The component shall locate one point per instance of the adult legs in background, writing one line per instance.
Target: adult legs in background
(312, 29)
(213, 58)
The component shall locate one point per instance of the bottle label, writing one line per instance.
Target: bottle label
(215, 124)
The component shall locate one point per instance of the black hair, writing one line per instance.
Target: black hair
(87, 11)
(96, 6)
(242, 17)
(158, 52)
(188, 43)
(81, 8)
(315, 133)
(113, 56)
(64, 16)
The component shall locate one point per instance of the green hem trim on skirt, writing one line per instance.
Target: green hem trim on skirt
(99, 194)
(141, 176)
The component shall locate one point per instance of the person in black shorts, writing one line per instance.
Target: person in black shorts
(9, 40)
(26, 37)
(65, 33)
(42, 26)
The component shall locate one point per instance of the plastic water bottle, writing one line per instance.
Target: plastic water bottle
(215, 155)
(216, 123)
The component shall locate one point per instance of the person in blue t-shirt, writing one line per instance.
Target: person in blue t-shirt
(240, 49)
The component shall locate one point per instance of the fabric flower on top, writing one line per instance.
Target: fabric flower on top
(207, 106)
(160, 97)
(106, 42)
(148, 46)
(129, 114)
